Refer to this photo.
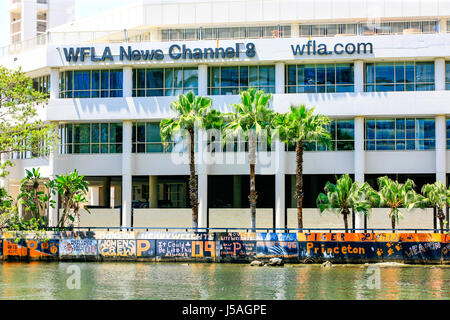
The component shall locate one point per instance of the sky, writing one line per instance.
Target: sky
(83, 9)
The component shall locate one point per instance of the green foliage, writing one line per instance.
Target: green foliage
(35, 195)
(437, 196)
(20, 129)
(73, 189)
(190, 111)
(395, 195)
(344, 196)
(302, 124)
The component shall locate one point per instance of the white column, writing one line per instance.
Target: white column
(54, 83)
(441, 148)
(153, 190)
(359, 163)
(359, 75)
(443, 25)
(202, 174)
(202, 80)
(295, 30)
(280, 189)
(279, 77)
(439, 74)
(126, 173)
(53, 213)
(127, 82)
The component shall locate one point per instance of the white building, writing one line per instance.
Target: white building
(379, 69)
(30, 19)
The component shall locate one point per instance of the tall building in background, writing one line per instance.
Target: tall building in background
(32, 18)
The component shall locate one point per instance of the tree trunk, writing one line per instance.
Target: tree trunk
(441, 217)
(253, 194)
(393, 222)
(345, 213)
(299, 182)
(193, 188)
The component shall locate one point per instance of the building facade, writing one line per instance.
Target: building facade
(378, 70)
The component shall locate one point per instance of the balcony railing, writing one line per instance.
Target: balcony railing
(117, 36)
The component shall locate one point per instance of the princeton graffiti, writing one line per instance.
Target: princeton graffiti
(32, 249)
(145, 248)
(281, 245)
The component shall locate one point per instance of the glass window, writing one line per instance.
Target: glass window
(164, 81)
(91, 84)
(399, 76)
(147, 139)
(91, 138)
(447, 75)
(316, 78)
(231, 80)
(400, 134)
(42, 84)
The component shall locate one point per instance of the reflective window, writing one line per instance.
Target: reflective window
(90, 138)
(447, 75)
(42, 84)
(448, 134)
(400, 134)
(231, 80)
(328, 30)
(315, 78)
(399, 76)
(147, 139)
(91, 84)
(164, 81)
(236, 32)
(342, 132)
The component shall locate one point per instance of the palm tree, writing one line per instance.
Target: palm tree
(190, 112)
(73, 189)
(296, 127)
(395, 195)
(437, 196)
(344, 196)
(252, 116)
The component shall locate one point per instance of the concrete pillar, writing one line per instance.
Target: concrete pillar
(155, 35)
(279, 77)
(94, 196)
(127, 82)
(153, 191)
(106, 192)
(202, 174)
(53, 213)
(127, 174)
(54, 83)
(295, 30)
(280, 188)
(237, 192)
(202, 80)
(359, 75)
(443, 25)
(359, 160)
(439, 74)
(441, 148)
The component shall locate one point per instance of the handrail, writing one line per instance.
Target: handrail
(207, 230)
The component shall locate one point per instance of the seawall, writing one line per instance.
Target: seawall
(238, 247)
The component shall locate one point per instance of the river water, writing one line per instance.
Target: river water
(220, 281)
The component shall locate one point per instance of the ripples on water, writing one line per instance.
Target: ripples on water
(222, 281)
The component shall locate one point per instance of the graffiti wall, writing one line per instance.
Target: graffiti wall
(81, 248)
(232, 247)
(277, 245)
(24, 249)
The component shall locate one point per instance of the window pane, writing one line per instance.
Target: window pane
(153, 132)
(230, 77)
(385, 129)
(82, 133)
(82, 80)
(115, 132)
(267, 76)
(344, 74)
(384, 73)
(190, 77)
(424, 72)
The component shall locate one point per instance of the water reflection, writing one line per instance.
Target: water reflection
(221, 281)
